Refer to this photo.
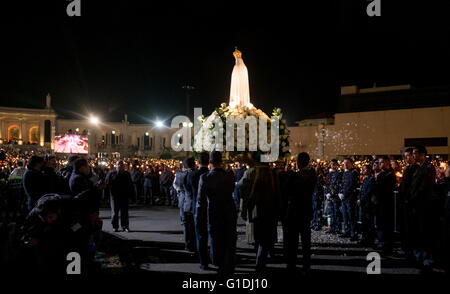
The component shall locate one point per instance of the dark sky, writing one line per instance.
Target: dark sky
(134, 56)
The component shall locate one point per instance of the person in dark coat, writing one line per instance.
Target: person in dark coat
(239, 173)
(52, 181)
(137, 178)
(189, 204)
(299, 212)
(201, 232)
(165, 182)
(33, 180)
(385, 185)
(85, 208)
(407, 224)
(216, 208)
(80, 182)
(423, 211)
(348, 195)
(332, 186)
(366, 198)
(43, 234)
(318, 197)
(65, 173)
(148, 186)
(285, 177)
(185, 204)
(121, 188)
(260, 205)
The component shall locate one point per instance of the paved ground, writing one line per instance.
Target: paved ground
(155, 245)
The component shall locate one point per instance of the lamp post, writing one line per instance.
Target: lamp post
(91, 137)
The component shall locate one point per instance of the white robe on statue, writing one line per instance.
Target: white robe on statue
(240, 90)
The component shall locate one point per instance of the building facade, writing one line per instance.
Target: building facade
(379, 132)
(28, 126)
(120, 138)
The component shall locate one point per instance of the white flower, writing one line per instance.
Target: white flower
(278, 110)
(223, 105)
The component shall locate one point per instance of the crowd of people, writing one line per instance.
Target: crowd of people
(49, 206)
(396, 209)
(400, 210)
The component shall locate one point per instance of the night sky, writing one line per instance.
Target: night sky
(134, 56)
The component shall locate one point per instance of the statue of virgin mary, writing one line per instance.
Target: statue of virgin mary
(240, 90)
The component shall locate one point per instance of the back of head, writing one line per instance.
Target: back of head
(409, 150)
(189, 162)
(421, 149)
(35, 160)
(303, 159)
(79, 163)
(203, 158)
(48, 203)
(215, 157)
(71, 159)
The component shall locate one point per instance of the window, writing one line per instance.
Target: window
(34, 135)
(13, 133)
(430, 142)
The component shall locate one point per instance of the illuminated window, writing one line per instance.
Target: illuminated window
(34, 135)
(13, 133)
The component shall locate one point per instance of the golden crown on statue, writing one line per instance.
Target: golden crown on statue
(237, 53)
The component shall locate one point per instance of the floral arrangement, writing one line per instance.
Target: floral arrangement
(225, 111)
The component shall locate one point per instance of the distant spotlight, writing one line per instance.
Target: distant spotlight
(94, 120)
(185, 124)
(191, 124)
(159, 124)
(146, 133)
(113, 132)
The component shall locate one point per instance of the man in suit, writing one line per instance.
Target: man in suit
(239, 173)
(299, 213)
(385, 185)
(332, 186)
(216, 208)
(348, 195)
(137, 179)
(201, 232)
(120, 187)
(185, 204)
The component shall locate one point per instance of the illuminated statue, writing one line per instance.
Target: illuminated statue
(240, 91)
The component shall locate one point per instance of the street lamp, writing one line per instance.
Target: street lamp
(146, 133)
(94, 120)
(159, 124)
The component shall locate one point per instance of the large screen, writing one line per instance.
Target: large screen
(71, 143)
